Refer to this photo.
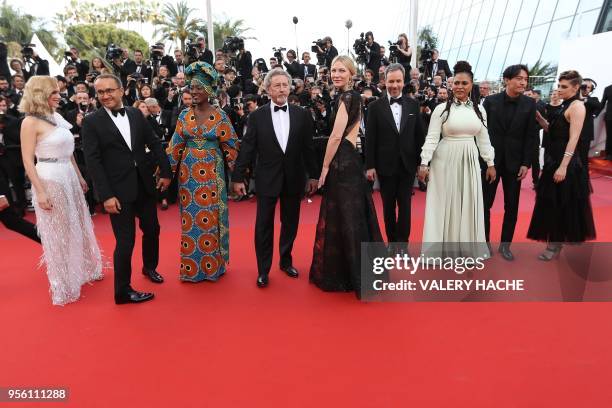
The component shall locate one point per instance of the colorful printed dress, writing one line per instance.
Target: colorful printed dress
(201, 152)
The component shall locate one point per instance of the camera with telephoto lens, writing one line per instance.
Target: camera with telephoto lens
(157, 52)
(232, 45)
(278, 53)
(315, 48)
(426, 53)
(394, 50)
(192, 50)
(359, 46)
(27, 51)
(113, 52)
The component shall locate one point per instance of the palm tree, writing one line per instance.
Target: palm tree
(542, 69)
(426, 37)
(229, 28)
(17, 29)
(176, 24)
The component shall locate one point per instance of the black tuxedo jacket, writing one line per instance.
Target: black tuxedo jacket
(277, 172)
(4, 187)
(513, 146)
(293, 69)
(112, 165)
(312, 71)
(386, 148)
(607, 97)
(442, 66)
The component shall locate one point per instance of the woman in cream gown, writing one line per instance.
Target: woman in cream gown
(454, 212)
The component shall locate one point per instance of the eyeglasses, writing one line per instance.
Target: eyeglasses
(102, 92)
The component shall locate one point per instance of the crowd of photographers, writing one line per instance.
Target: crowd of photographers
(157, 87)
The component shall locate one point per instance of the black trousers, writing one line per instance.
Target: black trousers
(124, 229)
(396, 193)
(535, 164)
(512, 191)
(264, 230)
(16, 174)
(14, 222)
(609, 136)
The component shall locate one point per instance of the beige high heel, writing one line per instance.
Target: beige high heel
(551, 252)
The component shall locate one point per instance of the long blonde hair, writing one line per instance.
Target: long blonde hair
(35, 100)
(347, 62)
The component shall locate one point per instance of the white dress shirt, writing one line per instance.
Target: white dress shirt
(280, 121)
(123, 124)
(396, 109)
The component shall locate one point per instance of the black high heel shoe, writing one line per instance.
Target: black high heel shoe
(551, 252)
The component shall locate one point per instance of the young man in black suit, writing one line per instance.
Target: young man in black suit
(280, 135)
(607, 97)
(394, 137)
(307, 69)
(292, 65)
(10, 218)
(114, 140)
(513, 130)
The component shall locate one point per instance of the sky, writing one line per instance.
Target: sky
(271, 20)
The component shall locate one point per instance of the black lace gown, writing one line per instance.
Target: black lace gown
(562, 211)
(347, 216)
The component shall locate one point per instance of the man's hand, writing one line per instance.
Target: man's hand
(240, 189)
(112, 205)
(371, 174)
(79, 119)
(522, 173)
(4, 203)
(312, 186)
(163, 184)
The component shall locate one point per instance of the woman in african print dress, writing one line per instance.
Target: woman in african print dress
(203, 143)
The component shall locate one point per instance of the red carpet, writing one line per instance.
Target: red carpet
(230, 344)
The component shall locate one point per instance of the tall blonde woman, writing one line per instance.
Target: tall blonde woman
(70, 250)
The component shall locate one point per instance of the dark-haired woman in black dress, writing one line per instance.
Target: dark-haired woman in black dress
(562, 212)
(347, 216)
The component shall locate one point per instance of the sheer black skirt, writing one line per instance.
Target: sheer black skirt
(346, 219)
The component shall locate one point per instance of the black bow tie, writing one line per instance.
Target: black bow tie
(120, 111)
(283, 108)
(396, 100)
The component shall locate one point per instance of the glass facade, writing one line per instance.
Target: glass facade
(492, 34)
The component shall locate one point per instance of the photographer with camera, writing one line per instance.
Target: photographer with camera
(179, 60)
(114, 56)
(244, 63)
(18, 82)
(205, 54)
(138, 66)
(373, 54)
(34, 65)
(384, 61)
(592, 107)
(325, 48)
(71, 76)
(435, 64)
(293, 66)
(403, 53)
(4, 68)
(72, 58)
(161, 83)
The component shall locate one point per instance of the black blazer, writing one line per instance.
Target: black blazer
(607, 97)
(293, 69)
(386, 148)
(312, 71)
(277, 172)
(442, 66)
(513, 146)
(113, 167)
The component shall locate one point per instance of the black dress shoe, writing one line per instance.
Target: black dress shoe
(153, 276)
(290, 271)
(262, 281)
(133, 297)
(505, 252)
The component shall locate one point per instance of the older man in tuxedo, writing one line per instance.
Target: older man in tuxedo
(280, 135)
(394, 137)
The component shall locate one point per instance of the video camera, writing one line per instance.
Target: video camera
(157, 52)
(113, 52)
(27, 51)
(232, 44)
(360, 49)
(278, 53)
(426, 53)
(315, 48)
(192, 50)
(393, 51)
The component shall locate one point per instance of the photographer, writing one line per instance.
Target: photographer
(384, 61)
(179, 61)
(329, 51)
(592, 107)
(138, 66)
(4, 69)
(300, 91)
(293, 66)
(71, 75)
(159, 59)
(18, 82)
(11, 163)
(82, 66)
(37, 65)
(404, 53)
(63, 89)
(162, 83)
(244, 63)
(205, 54)
(433, 65)
(373, 59)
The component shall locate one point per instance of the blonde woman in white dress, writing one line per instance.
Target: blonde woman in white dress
(454, 211)
(70, 251)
